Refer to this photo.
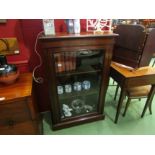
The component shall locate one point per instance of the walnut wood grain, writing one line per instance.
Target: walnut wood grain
(21, 88)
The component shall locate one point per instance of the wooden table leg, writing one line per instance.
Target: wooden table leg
(121, 98)
(117, 87)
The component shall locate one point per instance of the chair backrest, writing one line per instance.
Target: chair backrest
(130, 36)
(134, 47)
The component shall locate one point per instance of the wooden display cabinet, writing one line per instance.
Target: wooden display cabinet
(77, 74)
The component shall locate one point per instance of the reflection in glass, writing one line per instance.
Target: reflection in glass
(78, 74)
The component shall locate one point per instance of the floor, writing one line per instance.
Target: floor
(131, 124)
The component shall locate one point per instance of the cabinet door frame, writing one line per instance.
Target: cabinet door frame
(50, 65)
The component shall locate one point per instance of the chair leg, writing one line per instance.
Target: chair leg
(153, 63)
(150, 108)
(126, 107)
(149, 101)
(116, 92)
(145, 107)
(119, 106)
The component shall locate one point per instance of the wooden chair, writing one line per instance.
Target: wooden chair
(136, 93)
(129, 44)
(138, 83)
(134, 47)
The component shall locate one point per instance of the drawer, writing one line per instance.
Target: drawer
(14, 112)
(23, 128)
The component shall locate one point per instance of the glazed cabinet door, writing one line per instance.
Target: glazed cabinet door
(76, 77)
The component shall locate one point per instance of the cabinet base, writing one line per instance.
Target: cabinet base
(79, 121)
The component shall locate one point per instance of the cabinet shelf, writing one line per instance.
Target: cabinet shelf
(79, 105)
(82, 70)
(87, 98)
(91, 91)
(78, 117)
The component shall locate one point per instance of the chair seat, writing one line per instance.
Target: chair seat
(139, 91)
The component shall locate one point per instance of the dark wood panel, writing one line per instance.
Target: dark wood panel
(77, 121)
(23, 128)
(77, 42)
(141, 80)
(14, 111)
(116, 76)
(134, 47)
(148, 50)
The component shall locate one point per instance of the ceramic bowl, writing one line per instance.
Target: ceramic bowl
(9, 78)
(8, 73)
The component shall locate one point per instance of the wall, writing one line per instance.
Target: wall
(26, 30)
(30, 29)
(13, 29)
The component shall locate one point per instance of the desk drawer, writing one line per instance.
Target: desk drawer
(14, 112)
(141, 80)
(23, 128)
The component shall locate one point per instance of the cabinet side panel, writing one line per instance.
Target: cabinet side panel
(52, 87)
(149, 49)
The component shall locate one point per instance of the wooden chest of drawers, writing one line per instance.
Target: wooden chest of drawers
(18, 109)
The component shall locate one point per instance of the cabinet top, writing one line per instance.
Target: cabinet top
(81, 35)
(21, 88)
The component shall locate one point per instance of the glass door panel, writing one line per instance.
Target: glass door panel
(78, 81)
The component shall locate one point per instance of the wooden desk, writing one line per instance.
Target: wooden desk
(18, 109)
(129, 78)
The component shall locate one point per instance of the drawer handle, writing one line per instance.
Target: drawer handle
(10, 123)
